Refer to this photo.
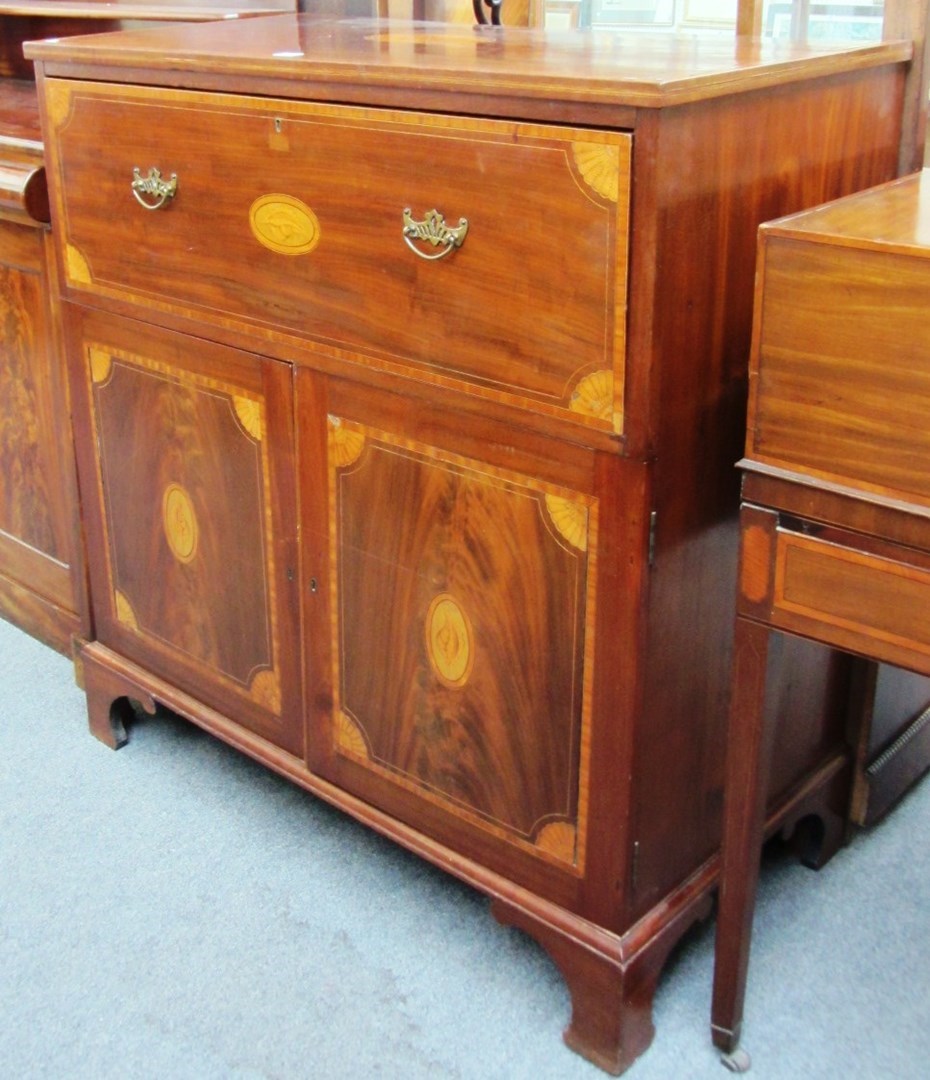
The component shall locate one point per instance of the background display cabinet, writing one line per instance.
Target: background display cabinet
(40, 565)
(42, 570)
(409, 371)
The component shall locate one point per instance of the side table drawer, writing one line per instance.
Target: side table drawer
(872, 599)
(484, 254)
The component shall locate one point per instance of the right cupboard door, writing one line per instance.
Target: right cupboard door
(458, 647)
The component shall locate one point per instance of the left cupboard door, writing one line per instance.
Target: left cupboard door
(186, 470)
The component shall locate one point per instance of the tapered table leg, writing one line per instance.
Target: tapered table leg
(749, 747)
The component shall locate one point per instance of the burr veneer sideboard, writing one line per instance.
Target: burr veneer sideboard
(408, 369)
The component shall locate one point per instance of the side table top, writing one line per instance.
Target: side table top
(894, 217)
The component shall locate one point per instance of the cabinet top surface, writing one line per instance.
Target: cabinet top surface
(893, 217)
(602, 67)
(155, 10)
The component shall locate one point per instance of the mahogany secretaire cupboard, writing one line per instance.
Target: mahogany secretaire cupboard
(408, 369)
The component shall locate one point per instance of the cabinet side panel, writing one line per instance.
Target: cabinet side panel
(719, 170)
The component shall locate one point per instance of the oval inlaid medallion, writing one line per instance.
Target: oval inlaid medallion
(180, 523)
(284, 224)
(449, 641)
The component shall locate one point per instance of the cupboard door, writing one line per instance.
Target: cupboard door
(37, 512)
(461, 600)
(186, 462)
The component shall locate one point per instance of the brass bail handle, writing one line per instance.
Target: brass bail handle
(152, 191)
(434, 231)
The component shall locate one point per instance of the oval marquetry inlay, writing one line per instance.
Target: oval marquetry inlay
(449, 641)
(284, 224)
(180, 523)
(600, 167)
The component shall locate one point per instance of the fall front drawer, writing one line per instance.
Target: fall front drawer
(480, 253)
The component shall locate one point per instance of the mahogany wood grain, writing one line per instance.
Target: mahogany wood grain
(41, 548)
(18, 27)
(38, 539)
(484, 708)
(412, 522)
(835, 522)
(477, 569)
(844, 399)
(685, 401)
(192, 490)
(530, 307)
(22, 191)
(909, 19)
(19, 116)
(435, 63)
(749, 752)
(610, 1036)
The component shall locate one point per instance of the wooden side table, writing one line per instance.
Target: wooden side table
(835, 516)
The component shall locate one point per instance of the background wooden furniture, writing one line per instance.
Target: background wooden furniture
(39, 566)
(42, 572)
(903, 19)
(835, 521)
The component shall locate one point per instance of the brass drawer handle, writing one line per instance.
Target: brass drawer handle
(151, 191)
(434, 231)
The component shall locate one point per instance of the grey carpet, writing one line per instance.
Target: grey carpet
(175, 911)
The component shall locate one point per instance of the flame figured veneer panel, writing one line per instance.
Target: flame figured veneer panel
(185, 475)
(462, 614)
